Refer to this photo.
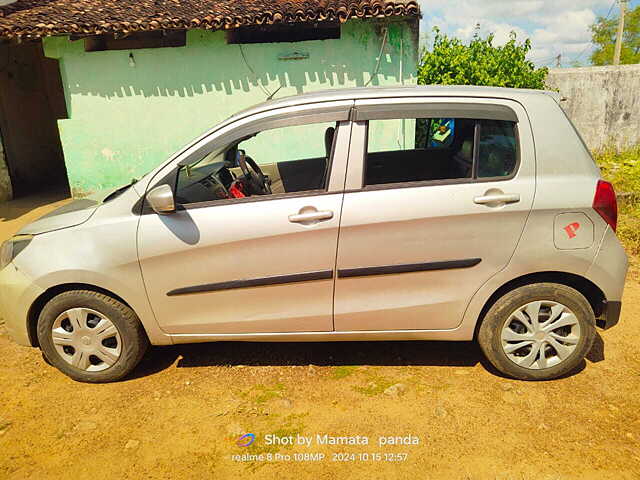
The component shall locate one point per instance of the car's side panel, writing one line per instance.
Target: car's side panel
(242, 266)
(101, 253)
(565, 183)
(437, 224)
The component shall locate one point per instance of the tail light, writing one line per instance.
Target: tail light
(605, 203)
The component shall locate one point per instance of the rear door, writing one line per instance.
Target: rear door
(437, 195)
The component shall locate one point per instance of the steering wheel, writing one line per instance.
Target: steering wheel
(257, 181)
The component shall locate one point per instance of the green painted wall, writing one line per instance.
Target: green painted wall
(127, 116)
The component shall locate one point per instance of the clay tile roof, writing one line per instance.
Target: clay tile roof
(40, 18)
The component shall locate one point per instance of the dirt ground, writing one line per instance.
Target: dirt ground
(180, 414)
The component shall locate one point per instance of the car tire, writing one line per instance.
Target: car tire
(91, 337)
(518, 337)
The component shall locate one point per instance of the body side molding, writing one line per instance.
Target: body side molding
(254, 282)
(407, 268)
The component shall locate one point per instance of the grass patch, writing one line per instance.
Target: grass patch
(375, 386)
(290, 425)
(622, 169)
(263, 393)
(343, 371)
(268, 392)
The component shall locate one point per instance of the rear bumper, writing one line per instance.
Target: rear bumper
(610, 316)
(608, 271)
(17, 294)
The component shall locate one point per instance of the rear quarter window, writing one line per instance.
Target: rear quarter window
(497, 149)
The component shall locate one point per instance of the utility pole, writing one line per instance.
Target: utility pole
(618, 50)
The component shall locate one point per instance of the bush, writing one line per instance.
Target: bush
(451, 62)
(622, 169)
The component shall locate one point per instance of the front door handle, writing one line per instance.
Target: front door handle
(497, 199)
(309, 217)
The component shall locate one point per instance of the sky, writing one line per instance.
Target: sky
(554, 26)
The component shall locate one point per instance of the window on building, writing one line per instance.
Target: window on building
(294, 159)
(424, 149)
(155, 39)
(298, 32)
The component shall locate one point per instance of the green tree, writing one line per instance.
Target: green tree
(452, 62)
(603, 35)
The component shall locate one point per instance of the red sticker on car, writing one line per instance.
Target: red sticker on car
(571, 229)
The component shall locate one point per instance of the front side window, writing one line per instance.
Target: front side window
(425, 149)
(271, 162)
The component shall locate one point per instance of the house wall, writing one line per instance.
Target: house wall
(603, 103)
(129, 110)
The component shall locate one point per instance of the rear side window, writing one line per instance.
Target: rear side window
(429, 149)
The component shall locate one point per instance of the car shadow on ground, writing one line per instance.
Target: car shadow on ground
(325, 354)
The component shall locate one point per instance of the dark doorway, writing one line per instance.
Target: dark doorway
(31, 100)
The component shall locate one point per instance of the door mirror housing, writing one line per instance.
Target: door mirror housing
(161, 200)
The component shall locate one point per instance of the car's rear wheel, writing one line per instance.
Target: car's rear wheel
(538, 332)
(91, 337)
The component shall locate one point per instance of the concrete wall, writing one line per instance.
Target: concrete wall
(127, 115)
(5, 181)
(603, 103)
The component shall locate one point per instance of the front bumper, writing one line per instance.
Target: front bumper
(17, 294)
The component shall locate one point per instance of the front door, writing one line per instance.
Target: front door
(436, 209)
(254, 264)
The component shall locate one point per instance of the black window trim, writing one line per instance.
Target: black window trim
(476, 149)
(453, 181)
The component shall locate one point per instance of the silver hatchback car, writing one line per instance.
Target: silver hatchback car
(420, 213)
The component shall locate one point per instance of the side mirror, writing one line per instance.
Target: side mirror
(161, 200)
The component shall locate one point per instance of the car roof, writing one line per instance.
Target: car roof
(361, 93)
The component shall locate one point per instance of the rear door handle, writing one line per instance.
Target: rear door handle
(311, 217)
(497, 198)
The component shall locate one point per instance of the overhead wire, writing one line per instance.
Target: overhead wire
(375, 70)
(255, 75)
(545, 60)
(613, 4)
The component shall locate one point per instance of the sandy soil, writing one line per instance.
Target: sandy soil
(181, 412)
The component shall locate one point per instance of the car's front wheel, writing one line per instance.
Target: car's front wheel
(91, 337)
(538, 332)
